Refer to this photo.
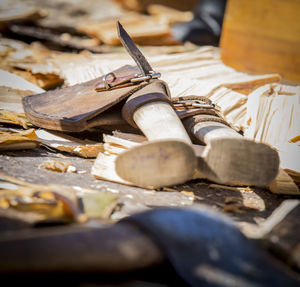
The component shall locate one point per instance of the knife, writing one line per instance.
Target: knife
(168, 158)
(110, 81)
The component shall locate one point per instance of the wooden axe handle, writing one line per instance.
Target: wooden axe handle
(158, 120)
(230, 158)
(150, 110)
(168, 158)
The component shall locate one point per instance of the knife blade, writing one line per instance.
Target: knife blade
(133, 51)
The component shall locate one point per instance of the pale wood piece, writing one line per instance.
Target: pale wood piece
(66, 143)
(158, 163)
(11, 80)
(130, 136)
(11, 99)
(262, 36)
(19, 146)
(284, 184)
(278, 215)
(273, 117)
(104, 165)
(104, 168)
(168, 159)
(158, 120)
(232, 159)
(168, 14)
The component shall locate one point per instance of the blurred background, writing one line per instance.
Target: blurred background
(257, 36)
(90, 25)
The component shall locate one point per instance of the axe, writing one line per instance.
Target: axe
(143, 101)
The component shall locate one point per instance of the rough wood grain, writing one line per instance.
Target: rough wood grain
(158, 121)
(230, 158)
(168, 158)
(262, 37)
(157, 163)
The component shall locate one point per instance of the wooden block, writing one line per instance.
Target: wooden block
(262, 36)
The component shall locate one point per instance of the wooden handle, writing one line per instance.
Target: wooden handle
(229, 158)
(206, 132)
(167, 159)
(150, 110)
(158, 120)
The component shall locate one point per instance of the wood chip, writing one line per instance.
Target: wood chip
(11, 80)
(11, 99)
(169, 189)
(65, 143)
(52, 201)
(11, 139)
(188, 193)
(17, 10)
(219, 186)
(44, 201)
(9, 117)
(273, 117)
(58, 166)
(235, 208)
(31, 62)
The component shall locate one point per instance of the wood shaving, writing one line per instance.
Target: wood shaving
(58, 166)
(241, 189)
(14, 118)
(169, 189)
(17, 139)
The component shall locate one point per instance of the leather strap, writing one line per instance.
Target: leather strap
(196, 109)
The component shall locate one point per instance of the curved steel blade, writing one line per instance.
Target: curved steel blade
(133, 50)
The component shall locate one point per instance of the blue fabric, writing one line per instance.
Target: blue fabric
(207, 250)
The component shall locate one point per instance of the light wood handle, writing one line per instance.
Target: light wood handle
(208, 131)
(158, 121)
(229, 158)
(168, 158)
